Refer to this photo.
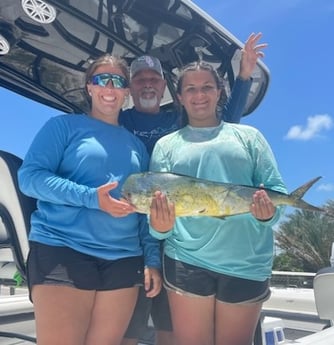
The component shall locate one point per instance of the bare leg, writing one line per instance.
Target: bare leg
(236, 323)
(111, 316)
(62, 314)
(193, 319)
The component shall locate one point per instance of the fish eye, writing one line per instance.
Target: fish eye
(127, 196)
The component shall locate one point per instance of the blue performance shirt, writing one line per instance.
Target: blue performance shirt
(235, 105)
(150, 127)
(70, 157)
(239, 245)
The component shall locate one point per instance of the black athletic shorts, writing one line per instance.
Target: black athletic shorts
(193, 280)
(52, 265)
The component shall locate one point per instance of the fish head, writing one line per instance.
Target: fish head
(126, 196)
(137, 190)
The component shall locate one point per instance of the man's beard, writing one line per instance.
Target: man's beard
(148, 103)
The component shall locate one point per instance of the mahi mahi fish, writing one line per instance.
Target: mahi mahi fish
(198, 197)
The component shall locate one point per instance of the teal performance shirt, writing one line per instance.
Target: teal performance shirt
(239, 245)
(69, 158)
(149, 128)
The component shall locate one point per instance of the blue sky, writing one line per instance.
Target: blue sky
(297, 113)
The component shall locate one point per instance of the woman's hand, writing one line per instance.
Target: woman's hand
(162, 216)
(262, 207)
(110, 205)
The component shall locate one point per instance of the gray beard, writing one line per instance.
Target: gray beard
(148, 103)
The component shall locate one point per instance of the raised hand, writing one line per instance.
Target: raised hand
(249, 55)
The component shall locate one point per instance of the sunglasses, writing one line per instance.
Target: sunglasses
(117, 81)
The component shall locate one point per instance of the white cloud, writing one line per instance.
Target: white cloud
(326, 187)
(315, 126)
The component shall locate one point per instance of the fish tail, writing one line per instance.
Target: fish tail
(298, 193)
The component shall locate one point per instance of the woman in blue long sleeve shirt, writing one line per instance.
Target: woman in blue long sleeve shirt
(86, 246)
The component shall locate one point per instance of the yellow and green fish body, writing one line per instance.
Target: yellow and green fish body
(198, 197)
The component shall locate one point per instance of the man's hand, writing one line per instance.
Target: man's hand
(152, 281)
(249, 55)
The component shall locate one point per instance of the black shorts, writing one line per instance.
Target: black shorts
(52, 265)
(156, 307)
(193, 280)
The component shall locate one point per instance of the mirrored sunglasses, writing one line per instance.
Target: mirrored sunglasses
(117, 81)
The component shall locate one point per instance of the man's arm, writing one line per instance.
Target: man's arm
(234, 107)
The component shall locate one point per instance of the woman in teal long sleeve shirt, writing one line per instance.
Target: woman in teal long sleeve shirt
(216, 271)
